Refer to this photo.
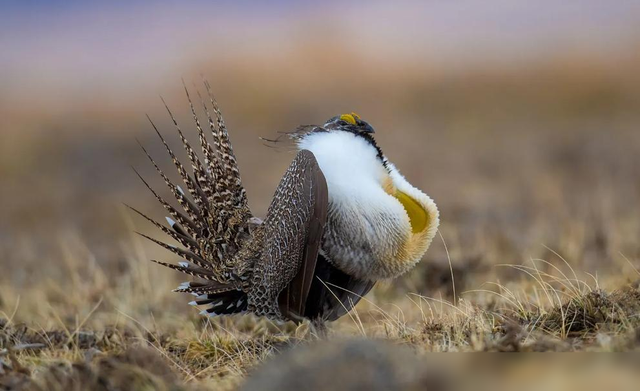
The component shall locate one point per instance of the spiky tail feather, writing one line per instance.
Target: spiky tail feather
(218, 299)
(230, 302)
(214, 213)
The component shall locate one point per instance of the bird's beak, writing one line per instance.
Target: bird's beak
(366, 128)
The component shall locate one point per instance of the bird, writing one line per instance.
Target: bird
(342, 218)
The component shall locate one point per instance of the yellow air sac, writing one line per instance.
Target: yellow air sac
(418, 217)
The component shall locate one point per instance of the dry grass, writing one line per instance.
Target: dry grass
(127, 333)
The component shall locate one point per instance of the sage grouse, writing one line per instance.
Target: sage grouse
(342, 218)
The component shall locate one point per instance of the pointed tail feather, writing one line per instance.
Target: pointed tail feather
(189, 207)
(206, 287)
(222, 196)
(188, 255)
(188, 268)
(190, 227)
(198, 168)
(231, 172)
(204, 176)
(179, 237)
(224, 303)
(186, 178)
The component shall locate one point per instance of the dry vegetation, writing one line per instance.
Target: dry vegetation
(535, 173)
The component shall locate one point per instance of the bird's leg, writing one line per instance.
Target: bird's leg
(318, 327)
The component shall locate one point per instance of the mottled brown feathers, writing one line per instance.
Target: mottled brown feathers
(267, 268)
(292, 232)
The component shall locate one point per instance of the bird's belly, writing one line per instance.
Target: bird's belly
(371, 246)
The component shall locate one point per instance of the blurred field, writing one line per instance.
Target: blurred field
(532, 154)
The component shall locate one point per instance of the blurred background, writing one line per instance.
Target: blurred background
(520, 118)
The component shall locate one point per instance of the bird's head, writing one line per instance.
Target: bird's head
(343, 134)
(349, 123)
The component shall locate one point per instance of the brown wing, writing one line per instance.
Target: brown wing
(293, 228)
(293, 299)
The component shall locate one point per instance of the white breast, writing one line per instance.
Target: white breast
(348, 162)
(366, 226)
